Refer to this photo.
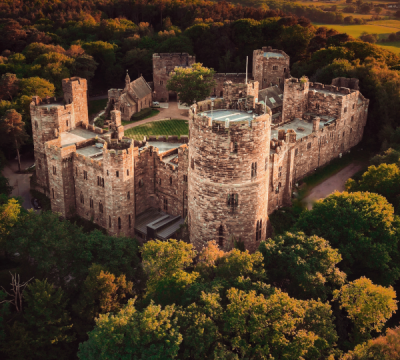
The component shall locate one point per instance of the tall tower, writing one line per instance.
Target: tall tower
(270, 67)
(228, 178)
(75, 92)
(295, 98)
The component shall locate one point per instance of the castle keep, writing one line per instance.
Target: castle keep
(245, 152)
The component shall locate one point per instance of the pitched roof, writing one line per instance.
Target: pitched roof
(140, 87)
(274, 95)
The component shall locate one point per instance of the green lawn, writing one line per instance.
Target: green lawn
(96, 106)
(158, 128)
(154, 112)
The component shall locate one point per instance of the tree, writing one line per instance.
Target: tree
(36, 86)
(84, 66)
(390, 156)
(192, 83)
(8, 86)
(150, 334)
(368, 306)
(9, 214)
(362, 226)
(46, 326)
(101, 292)
(12, 129)
(383, 180)
(304, 266)
(382, 348)
(397, 14)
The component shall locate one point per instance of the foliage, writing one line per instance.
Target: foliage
(390, 156)
(192, 83)
(304, 266)
(9, 214)
(368, 305)
(46, 325)
(362, 226)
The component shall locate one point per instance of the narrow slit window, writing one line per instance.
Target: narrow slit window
(221, 236)
(119, 223)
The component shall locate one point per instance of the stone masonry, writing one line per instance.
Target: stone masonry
(236, 169)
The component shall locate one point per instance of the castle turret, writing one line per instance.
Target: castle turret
(295, 98)
(228, 177)
(75, 92)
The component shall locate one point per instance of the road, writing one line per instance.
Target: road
(172, 112)
(20, 182)
(335, 182)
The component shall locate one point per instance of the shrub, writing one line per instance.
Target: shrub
(141, 114)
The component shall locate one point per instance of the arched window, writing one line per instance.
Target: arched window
(119, 223)
(221, 236)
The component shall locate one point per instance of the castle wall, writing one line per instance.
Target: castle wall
(295, 99)
(270, 70)
(75, 92)
(163, 64)
(215, 172)
(221, 78)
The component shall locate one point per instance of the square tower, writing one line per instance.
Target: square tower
(75, 92)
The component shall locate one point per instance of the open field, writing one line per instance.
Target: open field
(158, 128)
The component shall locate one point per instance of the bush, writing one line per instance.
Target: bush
(100, 121)
(141, 114)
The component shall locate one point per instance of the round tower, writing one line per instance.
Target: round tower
(228, 178)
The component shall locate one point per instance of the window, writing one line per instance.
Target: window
(127, 172)
(161, 82)
(36, 125)
(345, 109)
(235, 148)
(257, 229)
(233, 200)
(52, 191)
(296, 152)
(85, 174)
(165, 204)
(82, 199)
(117, 174)
(109, 221)
(351, 130)
(254, 169)
(91, 203)
(260, 230)
(192, 164)
(275, 67)
(100, 207)
(128, 195)
(170, 180)
(102, 182)
(354, 105)
(185, 178)
(141, 183)
(352, 118)
(107, 172)
(98, 181)
(221, 236)
(119, 223)
(54, 170)
(159, 182)
(130, 221)
(343, 133)
(280, 171)
(67, 123)
(317, 106)
(308, 146)
(266, 164)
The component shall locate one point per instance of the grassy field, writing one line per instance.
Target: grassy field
(97, 105)
(158, 128)
(154, 112)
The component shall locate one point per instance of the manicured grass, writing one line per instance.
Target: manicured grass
(97, 105)
(157, 128)
(331, 169)
(154, 112)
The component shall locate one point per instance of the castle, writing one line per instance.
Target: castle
(239, 163)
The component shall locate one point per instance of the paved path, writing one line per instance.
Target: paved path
(172, 112)
(20, 182)
(335, 182)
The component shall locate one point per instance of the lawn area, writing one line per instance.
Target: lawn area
(157, 128)
(97, 105)
(154, 112)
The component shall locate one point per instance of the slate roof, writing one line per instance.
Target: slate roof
(274, 96)
(140, 87)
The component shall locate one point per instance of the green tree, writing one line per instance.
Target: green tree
(368, 306)
(36, 86)
(363, 227)
(304, 266)
(84, 66)
(45, 330)
(9, 214)
(8, 86)
(150, 334)
(192, 83)
(12, 129)
(390, 156)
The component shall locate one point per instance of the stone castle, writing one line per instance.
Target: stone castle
(239, 163)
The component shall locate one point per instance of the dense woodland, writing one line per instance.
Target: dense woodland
(323, 287)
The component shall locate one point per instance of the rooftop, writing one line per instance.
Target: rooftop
(51, 105)
(301, 127)
(91, 151)
(269, 54)
(328, 92)
(161, 145)
(229, 115)
(76, 135)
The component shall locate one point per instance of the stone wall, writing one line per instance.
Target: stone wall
(295, 99)
(75, 92)
(215, 172)
(270, 71)
(163, 64)
(221, 78)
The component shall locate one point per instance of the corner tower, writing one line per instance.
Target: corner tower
(228, 177)
(75, 92)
